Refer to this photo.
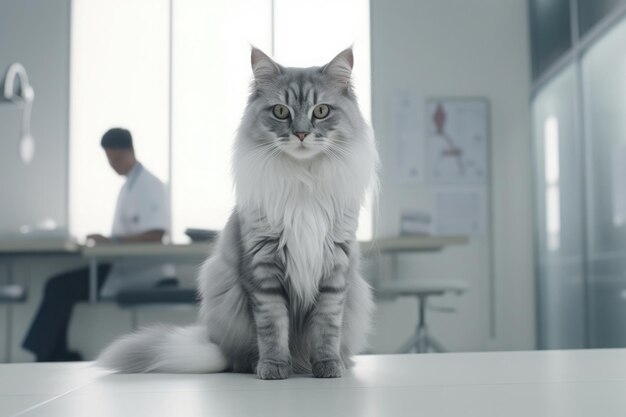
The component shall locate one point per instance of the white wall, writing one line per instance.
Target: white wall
(36, 34)
(461, 48)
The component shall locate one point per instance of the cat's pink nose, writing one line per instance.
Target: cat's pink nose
(301, 135)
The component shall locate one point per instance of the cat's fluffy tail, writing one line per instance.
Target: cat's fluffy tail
(164, 349)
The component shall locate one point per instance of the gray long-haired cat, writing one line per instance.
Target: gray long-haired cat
(282, 290)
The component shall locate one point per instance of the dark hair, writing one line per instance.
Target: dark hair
(117, 138)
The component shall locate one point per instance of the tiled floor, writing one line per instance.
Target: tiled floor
(549, 383)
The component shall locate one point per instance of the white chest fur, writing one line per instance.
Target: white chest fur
(305, 204)
(306, 226)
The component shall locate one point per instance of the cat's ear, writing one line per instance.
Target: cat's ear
(263, 67)
(340, 68)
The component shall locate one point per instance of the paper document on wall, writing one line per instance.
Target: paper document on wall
(460, 213)
(407, 135)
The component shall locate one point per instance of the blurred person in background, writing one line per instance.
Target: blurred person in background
(141, 215)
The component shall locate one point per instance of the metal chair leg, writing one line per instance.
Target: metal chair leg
(422, 330)
(436, 345)
(9, 334)
(421, 341)
(409, 345)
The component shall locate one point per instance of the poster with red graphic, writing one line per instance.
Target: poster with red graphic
(457, 132)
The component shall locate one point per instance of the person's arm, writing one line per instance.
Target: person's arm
(155, 235)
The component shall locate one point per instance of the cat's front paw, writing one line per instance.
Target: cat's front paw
(329, 368)
(273, 370)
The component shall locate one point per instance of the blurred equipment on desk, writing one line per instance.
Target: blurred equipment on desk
(201, 235)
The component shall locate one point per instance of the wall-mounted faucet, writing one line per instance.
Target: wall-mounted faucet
(24, 93)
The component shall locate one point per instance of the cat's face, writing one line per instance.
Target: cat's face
(303, 112)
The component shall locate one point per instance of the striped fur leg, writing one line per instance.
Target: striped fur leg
(272, 321)
(326, 327)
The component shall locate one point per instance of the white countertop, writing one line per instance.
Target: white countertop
(548, 383)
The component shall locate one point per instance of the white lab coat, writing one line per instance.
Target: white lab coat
(142, 205)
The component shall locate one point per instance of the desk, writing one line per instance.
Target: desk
(11, 249)
(199, 251)
(512, 384)
(28, 247)
(195, 251)
(412, 244)
(186, 252)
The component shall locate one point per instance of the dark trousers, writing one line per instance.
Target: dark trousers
(47, 336)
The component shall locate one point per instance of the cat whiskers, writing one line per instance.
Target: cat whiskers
(263, 152)
(337, 152)
(264, 158)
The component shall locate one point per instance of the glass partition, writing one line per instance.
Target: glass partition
(604, 97)
(550, 32)
(591, 12)
(558, 179)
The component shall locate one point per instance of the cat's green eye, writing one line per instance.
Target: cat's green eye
(280, 112)
(321, 111)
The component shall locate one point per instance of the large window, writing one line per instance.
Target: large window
(211, 75)
(119, 77)
(122, 75)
